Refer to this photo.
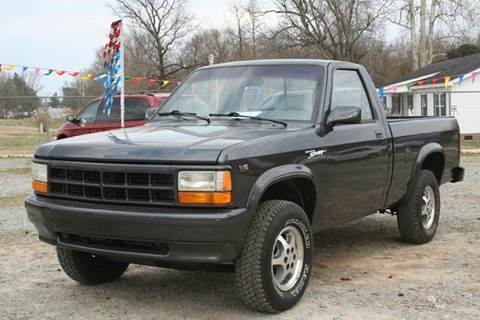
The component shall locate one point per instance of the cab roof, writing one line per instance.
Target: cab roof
(284, 62)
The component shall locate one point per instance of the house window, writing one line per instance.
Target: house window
(424, 103)
(410, 104)
(440, 104)
(396, 105)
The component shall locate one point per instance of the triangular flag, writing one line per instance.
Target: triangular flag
(87, 76)
(136, 79)
(421, 83)
(24, 69)
(49, 72)
(165, 83)
(381, 92)
(127, 78)
(394, 89)
(1, 67)
(474, 76)
(10, 67)
(152, 82)
(462, 76)
(434, 81)
(447, 82)
(60, 72)
(73, 73)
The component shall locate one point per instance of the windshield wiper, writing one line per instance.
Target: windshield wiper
(180, 114)
(238, 115)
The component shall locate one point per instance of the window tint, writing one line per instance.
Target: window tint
(348, 91)
(134, 110)
(89, 113)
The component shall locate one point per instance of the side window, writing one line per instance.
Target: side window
(135, 109)
(89, 113)
(114, 112)
(348, 91)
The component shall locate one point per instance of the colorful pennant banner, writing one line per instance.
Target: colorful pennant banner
(79, 75)
(446, 81)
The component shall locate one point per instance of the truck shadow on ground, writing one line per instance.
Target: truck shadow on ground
(216, 291)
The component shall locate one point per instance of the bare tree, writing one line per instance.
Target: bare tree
(254, 14)
(239, 30)
(430, 20)
(335, 28)
(204, 43)
(165, 23)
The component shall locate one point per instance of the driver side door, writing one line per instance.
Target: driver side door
(354, 176)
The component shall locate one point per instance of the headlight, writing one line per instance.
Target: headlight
(39, 172)
(40, 177)
(205, 187)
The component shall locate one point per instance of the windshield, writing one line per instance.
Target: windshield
(275, 92)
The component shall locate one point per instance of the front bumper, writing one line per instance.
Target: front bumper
(141, 234)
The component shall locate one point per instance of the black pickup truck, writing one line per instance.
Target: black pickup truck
(243, 163)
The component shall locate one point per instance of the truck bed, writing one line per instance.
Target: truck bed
(409, 135)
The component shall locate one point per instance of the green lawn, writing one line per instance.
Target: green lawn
(471, 144)
(30, 123)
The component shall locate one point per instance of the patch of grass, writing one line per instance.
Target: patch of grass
(30, 123)
(18, 140)
(21, 144)
(22, 170)
(470, 144)
(15, 200)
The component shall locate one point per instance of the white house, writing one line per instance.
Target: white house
(444, 88)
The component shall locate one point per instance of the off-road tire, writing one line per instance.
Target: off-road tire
(410, 225)
(253, 268)
(88, 269)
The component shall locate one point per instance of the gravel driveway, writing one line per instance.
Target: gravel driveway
(361, 271)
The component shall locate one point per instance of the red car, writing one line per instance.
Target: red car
(92, 119)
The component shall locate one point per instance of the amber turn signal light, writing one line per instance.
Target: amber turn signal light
(215, 198)
(39, 186)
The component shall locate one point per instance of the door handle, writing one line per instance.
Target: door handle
(378, 133)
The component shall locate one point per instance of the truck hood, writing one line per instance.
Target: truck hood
(156, 142)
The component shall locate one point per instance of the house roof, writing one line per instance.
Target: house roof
(449, 68)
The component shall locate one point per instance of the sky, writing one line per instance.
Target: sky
(64, 34)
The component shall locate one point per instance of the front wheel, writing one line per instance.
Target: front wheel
(89, 269)
(274, 266)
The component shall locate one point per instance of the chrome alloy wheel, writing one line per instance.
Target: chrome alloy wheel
(287, 258)
(428, 207)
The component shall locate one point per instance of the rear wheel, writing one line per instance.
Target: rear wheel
(89, 269)
(419, 214)
(274, 267)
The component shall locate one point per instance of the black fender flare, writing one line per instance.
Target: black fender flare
(423, 153)
(272, 176)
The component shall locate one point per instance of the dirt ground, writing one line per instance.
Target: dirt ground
(361, 271)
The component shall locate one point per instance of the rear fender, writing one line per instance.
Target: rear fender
(424, 152)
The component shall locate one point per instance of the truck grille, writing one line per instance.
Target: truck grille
(113, 186)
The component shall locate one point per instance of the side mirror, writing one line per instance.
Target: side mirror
(70, 118)
(344, 115)
(150, 113)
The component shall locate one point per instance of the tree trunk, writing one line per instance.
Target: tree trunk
(414, 47)
(423, 52)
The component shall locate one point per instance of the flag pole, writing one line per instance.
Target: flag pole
(122, 77)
